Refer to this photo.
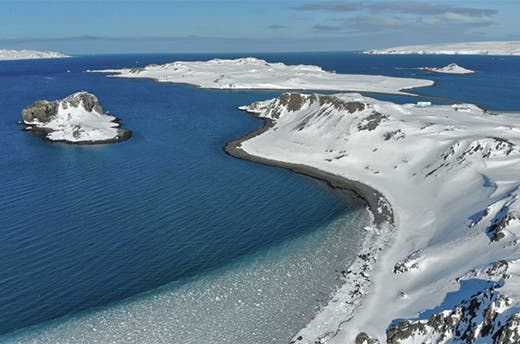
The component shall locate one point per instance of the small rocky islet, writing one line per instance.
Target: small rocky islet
(77, 119)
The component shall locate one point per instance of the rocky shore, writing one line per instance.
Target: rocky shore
(77, 119)
(373, 198)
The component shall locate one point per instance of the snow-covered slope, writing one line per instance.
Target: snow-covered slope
(449, 270)
(78, 118)
(29, 54)
(452, 68)
(253, 73)
(468, 48)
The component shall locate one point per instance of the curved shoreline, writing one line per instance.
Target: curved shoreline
(377, 203)
(355, 278)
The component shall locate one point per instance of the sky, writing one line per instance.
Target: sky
(126, 26)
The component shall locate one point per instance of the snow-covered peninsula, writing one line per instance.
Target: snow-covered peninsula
(253, 73)
(467, 48)
(78, 118)
(452, 68)
(436, 266)
(29, 55)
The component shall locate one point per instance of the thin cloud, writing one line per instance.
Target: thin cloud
(276, 27)
(331, 6)
(363, 24)
(423, 8)
(381, 15)
(328, 28)
(467, 20)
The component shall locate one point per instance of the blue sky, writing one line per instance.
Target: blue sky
(119, 26)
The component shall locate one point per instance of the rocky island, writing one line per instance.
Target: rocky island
(435, 267)
(452, 68)
(78, 118)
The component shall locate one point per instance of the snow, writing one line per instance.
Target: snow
(253, 73)
(466, 48)
(450, 174)
(29, 54)
(452, 68)
(75, 124)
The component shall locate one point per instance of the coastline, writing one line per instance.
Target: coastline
(373, 198)
(124, 135)
(379, 234)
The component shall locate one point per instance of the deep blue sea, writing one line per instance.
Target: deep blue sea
(167, 231)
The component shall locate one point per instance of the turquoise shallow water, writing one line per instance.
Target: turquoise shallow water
(84, 227)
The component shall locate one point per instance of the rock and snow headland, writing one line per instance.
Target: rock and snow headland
(253, 73)
(78, 118)
(29, 55)
(452, 68)
(450, 268)
(467, 48)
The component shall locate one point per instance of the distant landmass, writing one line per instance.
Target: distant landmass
(29, 55)
(467, 48)
(253, 73)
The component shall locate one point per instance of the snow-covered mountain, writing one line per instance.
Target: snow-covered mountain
(444, 266)
(253, 73)
(452, 68)
(78, 118)
(29, 54)
(467, 48)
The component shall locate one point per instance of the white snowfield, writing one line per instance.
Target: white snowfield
(29, 55)
(452, 68)
(253, 73)
(467, 48)
(74, 120)
(451, 175)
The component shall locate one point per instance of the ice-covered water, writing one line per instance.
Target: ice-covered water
(262, 299)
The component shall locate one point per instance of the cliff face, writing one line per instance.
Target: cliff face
(78, 118)
(41, 111)
(450, 273)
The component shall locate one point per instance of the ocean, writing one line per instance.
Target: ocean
(164, 237)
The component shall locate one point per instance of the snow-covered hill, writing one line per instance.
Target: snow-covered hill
(253, 73)
(446, 268)
(452, 68)
(29, 54)
(78, 118)
(468, 48)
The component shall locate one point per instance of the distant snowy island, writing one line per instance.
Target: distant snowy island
(6, 55)
(452, 68)
(78, 118)
(468, 48)
(442, 262)
(253, 73)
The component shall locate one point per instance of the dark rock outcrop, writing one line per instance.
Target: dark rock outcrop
(57, 121)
